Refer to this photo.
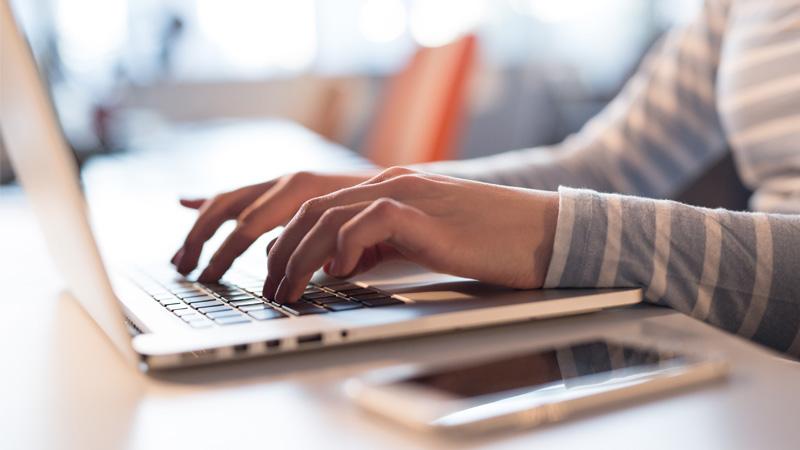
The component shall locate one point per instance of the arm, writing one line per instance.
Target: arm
(655, 137)
(738, 271)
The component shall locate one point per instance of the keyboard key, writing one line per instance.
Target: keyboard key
(170, 301)
(184, 312)
(200, 323)
(347, 288)
(303, 308)
(206, 304)
(174, 287)
(343, 306)
(163, 296)
(175, 306)
(253, 307)
(185, 290)
(362, 291)
(231, 320)
(384, 301)
(225, 289)
(368, 296)
(203, 298)
(245, 302)
(193, 294)
(225, 292)
(332, 299)
(318, 295)
(191, 317)
(238, 297)
(338, 285)
(210, 309)
(266, 314)
(223, 313)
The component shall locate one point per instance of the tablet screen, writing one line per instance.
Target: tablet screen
(567, 366)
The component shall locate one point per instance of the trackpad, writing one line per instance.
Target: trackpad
(419, 284)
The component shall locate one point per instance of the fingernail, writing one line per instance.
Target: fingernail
(333, 268)
(183, 267)
(269, 288)
(176, 259)
(206, 277)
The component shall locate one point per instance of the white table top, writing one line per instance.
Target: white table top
(63, 385)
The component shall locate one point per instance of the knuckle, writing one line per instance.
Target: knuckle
(345, 236)
(308, 208)
(220, 200)
(395, 171)
(246, 231)
(299, 178)
(384, 207)
(407, 180)
(243, 218)
(330, 216)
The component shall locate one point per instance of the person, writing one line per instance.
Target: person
(727, 81)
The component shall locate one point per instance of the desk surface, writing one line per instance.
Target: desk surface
(63, 385)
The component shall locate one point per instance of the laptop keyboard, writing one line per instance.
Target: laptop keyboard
(227, 303)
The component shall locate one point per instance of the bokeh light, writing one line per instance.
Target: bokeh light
(263, 34)
(382, 20)
(436, 23)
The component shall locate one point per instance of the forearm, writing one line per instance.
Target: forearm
(536, 168)
(737, 271)
(658, 134)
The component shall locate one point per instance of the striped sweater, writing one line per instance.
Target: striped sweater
(727, 81)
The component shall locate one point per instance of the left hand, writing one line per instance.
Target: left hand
(491, 233)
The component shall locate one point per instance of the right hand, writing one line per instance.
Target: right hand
(257, 209)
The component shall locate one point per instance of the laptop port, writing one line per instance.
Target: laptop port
(240, 349)
(273, 343)
(309, 339)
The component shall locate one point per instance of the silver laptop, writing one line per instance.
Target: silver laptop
(158, 319)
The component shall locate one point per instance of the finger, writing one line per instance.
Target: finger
(234, 245)
(271, 243)
(211, 216)
(192, 203)
(271, 209)
(405, 228)
(311, 211)
(178, 255)
(316, 248)
(371, 257)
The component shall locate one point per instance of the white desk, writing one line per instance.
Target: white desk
(63, 386)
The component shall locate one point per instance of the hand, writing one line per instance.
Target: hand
(257, 209)
(490, 233)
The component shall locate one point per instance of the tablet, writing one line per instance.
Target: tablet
(528, 388)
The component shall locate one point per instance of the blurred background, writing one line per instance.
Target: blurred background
(398, 80)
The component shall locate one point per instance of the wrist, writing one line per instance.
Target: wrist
(545, 231)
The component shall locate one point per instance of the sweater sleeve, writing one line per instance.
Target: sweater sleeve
(659, 134)
(735, 270)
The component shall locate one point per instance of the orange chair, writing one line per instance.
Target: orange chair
(420, 114)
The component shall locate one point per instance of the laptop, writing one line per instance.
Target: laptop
(158, 319)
